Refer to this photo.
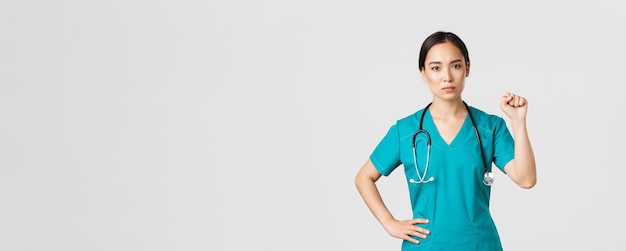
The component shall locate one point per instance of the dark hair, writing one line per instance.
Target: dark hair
(438, 38)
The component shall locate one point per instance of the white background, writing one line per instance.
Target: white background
(240, 125)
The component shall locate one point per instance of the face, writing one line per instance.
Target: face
(445, 71)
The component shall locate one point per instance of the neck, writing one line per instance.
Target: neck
(447, 108)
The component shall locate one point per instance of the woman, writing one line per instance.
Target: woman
(447, 163)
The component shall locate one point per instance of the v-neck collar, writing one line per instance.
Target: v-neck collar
(437, 139)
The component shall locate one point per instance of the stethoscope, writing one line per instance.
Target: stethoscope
(487, 178)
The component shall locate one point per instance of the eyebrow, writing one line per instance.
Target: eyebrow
(452, 62)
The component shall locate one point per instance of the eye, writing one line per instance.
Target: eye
(435, 68)
(456, 66)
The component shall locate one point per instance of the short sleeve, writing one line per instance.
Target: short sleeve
(386, 156)
(504, 146)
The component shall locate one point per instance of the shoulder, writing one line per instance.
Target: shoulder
(411, 119)
(408, 124)
(486, 120)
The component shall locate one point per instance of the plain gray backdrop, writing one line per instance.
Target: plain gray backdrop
(240, 125)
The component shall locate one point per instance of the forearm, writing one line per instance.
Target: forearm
(370, 194)
(525, 171)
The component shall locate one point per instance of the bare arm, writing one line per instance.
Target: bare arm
(366, 185)
(522, 169)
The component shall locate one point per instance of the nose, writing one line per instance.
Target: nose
(447, 76)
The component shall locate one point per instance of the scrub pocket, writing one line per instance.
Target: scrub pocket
(423, 207)
(487, 238)
(423, 201)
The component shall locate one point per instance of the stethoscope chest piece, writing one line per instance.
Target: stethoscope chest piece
(488, 179)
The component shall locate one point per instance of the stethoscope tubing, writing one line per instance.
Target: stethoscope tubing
(488, 176)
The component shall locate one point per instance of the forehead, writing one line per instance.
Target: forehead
(444, 52)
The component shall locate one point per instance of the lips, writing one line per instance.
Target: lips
(448, 89)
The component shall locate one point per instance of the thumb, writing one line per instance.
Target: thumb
(506, 98)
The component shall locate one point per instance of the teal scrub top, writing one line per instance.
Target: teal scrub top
(456, 203)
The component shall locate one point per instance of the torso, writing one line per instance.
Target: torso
(456, 202)
(449, 127)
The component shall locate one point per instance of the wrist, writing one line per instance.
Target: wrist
(387, 220)
(518, 126)
(516, 122)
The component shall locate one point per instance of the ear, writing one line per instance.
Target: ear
(467, 69)
(422, 74)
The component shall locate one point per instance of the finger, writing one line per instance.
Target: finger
(506, 99)
(419, 221)
(410, 239)
(523, 101)
(421, 230)
(516, 101)
(512, 100)
(509, 100)
(520, 101)
(419, 235)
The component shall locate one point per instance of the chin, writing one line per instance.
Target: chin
(450, 96)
